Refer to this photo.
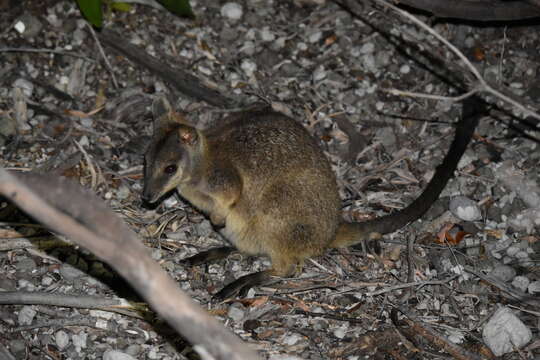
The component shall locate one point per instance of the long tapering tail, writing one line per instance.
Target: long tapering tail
(353, 233)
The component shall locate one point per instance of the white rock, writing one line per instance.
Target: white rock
(236, 313)
(521, 283)
(61, 339)
(340, 332)
(249, 67)
(248, 48)
(107, 315)
(79, 340)
(504, 332)
(512, 250)
(26, 315)
(367, 48)
(534, 287)
(465, 209)
(267, 35)
(20, 27)
(170, 202)
(455, 336)
(284, 357)
(319, 74)
(292, 339)
(315, 36)
(405, 69)
(87, 122)
(116, 355)
(232, 11)
(26, 86)
(83, 141)
(503, 272)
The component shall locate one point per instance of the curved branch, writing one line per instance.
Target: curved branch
(64, 207)
(491, 10)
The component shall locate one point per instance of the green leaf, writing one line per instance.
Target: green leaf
(178, 7)
(91, 10)
(121, 6)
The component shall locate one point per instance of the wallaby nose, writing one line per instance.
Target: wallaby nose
(146, 196)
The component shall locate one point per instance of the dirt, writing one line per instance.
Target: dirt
(62, 113)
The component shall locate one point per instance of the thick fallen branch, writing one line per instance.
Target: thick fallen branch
(477, 10)
(182, 80)
(64, 207)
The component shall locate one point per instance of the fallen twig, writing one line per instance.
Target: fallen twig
(418, 284)
(50, 51)
(102, 52)
(436, 339)
(120, 306)
(59, 323)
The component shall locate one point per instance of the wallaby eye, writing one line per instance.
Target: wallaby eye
(171, 169)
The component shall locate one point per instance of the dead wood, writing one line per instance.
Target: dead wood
(183, 81)
(65, 208)
(483, 10)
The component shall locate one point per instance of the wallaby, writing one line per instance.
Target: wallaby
(263, 179)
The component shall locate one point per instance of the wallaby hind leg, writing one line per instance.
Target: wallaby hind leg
(208, 256)
(282, 266)
(240, 286)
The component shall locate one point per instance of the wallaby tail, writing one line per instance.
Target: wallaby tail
(353, 233)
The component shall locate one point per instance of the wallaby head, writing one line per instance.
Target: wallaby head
(170, 158)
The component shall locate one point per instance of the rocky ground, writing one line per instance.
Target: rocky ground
(472, 274)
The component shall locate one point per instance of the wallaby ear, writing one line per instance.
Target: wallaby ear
(160, 107)
(188, 135)
(165, 118)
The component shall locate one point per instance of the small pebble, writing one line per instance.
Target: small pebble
(232, 11)
(26, 315)
(340, 332)
(503, 272)
(405, 69)
(315, 36)
(521, 283)
(170, 202)
(47, 280)
(249, 67)
(79, 340)
(465, 209)
(512, 250)
(236, 313)
(26, 86)
(368, 48)
(116, 355)
(534, 288)
(267, 35)
(319, 74)
(133, 349)
(61, 339)
(292, 339)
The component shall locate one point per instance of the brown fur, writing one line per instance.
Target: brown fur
(264, 178)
